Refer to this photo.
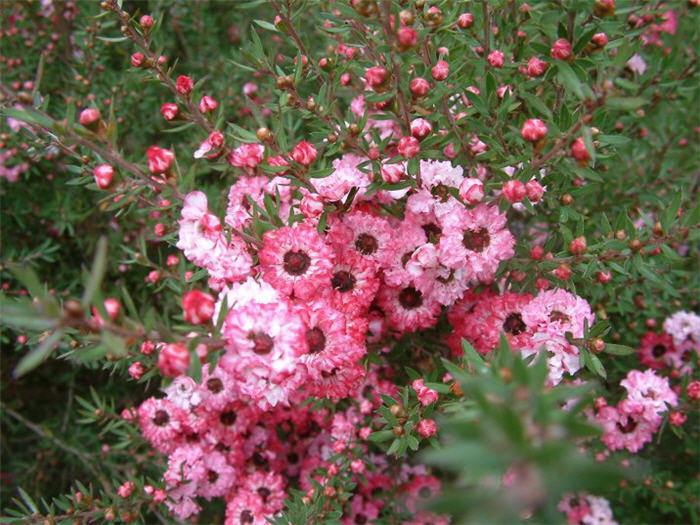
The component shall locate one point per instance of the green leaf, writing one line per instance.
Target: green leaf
(615, 349)
(625, 103)
(266, 25)
(569, 80)
(99, 266)
(36, 356)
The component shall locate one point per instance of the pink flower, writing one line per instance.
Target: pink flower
(561, 49)
(346, 175)
(247, 155)
(184, 84)
(296, 260)
(137, 59)
(650, 391)
(533, 129)
(198, 307)
(419, 87)
(89, 116)
(376, 76)
(104, 174)
(514, 191)
(426, 395)
(471, 191)
(173, 359)
(536, 67)
(426, 428)
(159, 159)
(440, 70)
(496, 58)
(126, 488)
(304, 153)
(420, 128)
(161, 423)
(408, 147)
(136, 370)
(465, 20)
(169, 110)
(407, 309)
(207, 104)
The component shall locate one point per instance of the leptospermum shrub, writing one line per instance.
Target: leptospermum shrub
(366, 261)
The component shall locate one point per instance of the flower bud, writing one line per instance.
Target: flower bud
(304, 153)
(578, 246)
(407, 37)
(600, 39)
(419, 87)
(471, 190)
(408, 147)
(159, 159)
(207, 104)
(426, 428)
(392, 173)
(376, 76)
(169, 110)
(146, 21)
(137, 59)
(561, 49)
(440, 70)
(311, 205)
(536, 67)
(514, 191)
(465, 20)
(580, 152)
(534, 190)
(603, 8)
(104, 174)
(420, 128)
(173, 359)
(496, 58)
(198, 307)
(533, 129)
(89, 117)
(184, 84)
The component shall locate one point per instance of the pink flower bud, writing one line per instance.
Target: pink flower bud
(604, 276)
(407, 36)
(169, 110)
(561, 49)
(426, 395)
(357, 466)
(147, 347)
(339, 446)
(496, 58)
(311, 205)
(693, 390)
(104, 174)
(536, 67)
(600, 39)
(146, 21)
(207, 104)
(89, 116)
(449, 151)
(137, 59)
(126, 489)
(392, 173)
(159, 229)
(247, 155)
(465, 20)
(534, 190)
(184, 84)
(136, 370)
(533, 129)
(514, 191)
(159, 496)
(345, 79)
(578, 246)
(471, 190)
(563, 272)
(376, 76)
(173, 359)
(536, 253)
(419, 86)
(365, 433)
(580, 152)
(420, 128)
(198, 307)
(677, 418)
(426, 428)
(159, 159)
(440, 70)
(408, 147)
(304, 153)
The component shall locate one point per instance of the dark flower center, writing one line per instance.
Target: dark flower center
(424, 492)
(514, 324)
(316, 340)
(343, 281)
(360, 519)
(212, 476)
(476, 241)
(658, 350)
(366, 244)
(215, 385)
(161, 418)
(442, 192)
(259, 459)
(410, 298)
(228, 418)
(264, 493)
(262, 343)
(293, 458)
(296, 263)
(448, 279)
(246, 517)
(556, 315)
(332, 373)
(405, 258)
(432, 231)
(627, 427)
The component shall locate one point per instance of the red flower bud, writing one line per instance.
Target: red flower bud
(580, 152)
(440, 70)
(184, 84)
(146, 21)
(304, 153)
(207, 104)
(198, 307)
(408, 147)
(536, 67)
(533, 129)
(137, 59)
(173, 359)
(159, 159)
(419, 86)
(89, 116)
(104, 173)
(407, 36)
(420, 128)
(496, 58)
(534, 190)
(514, 191)
(471, 190)
(376, 76)
(465, 20)
(169, 110)
(561, 49)
(392, 173)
